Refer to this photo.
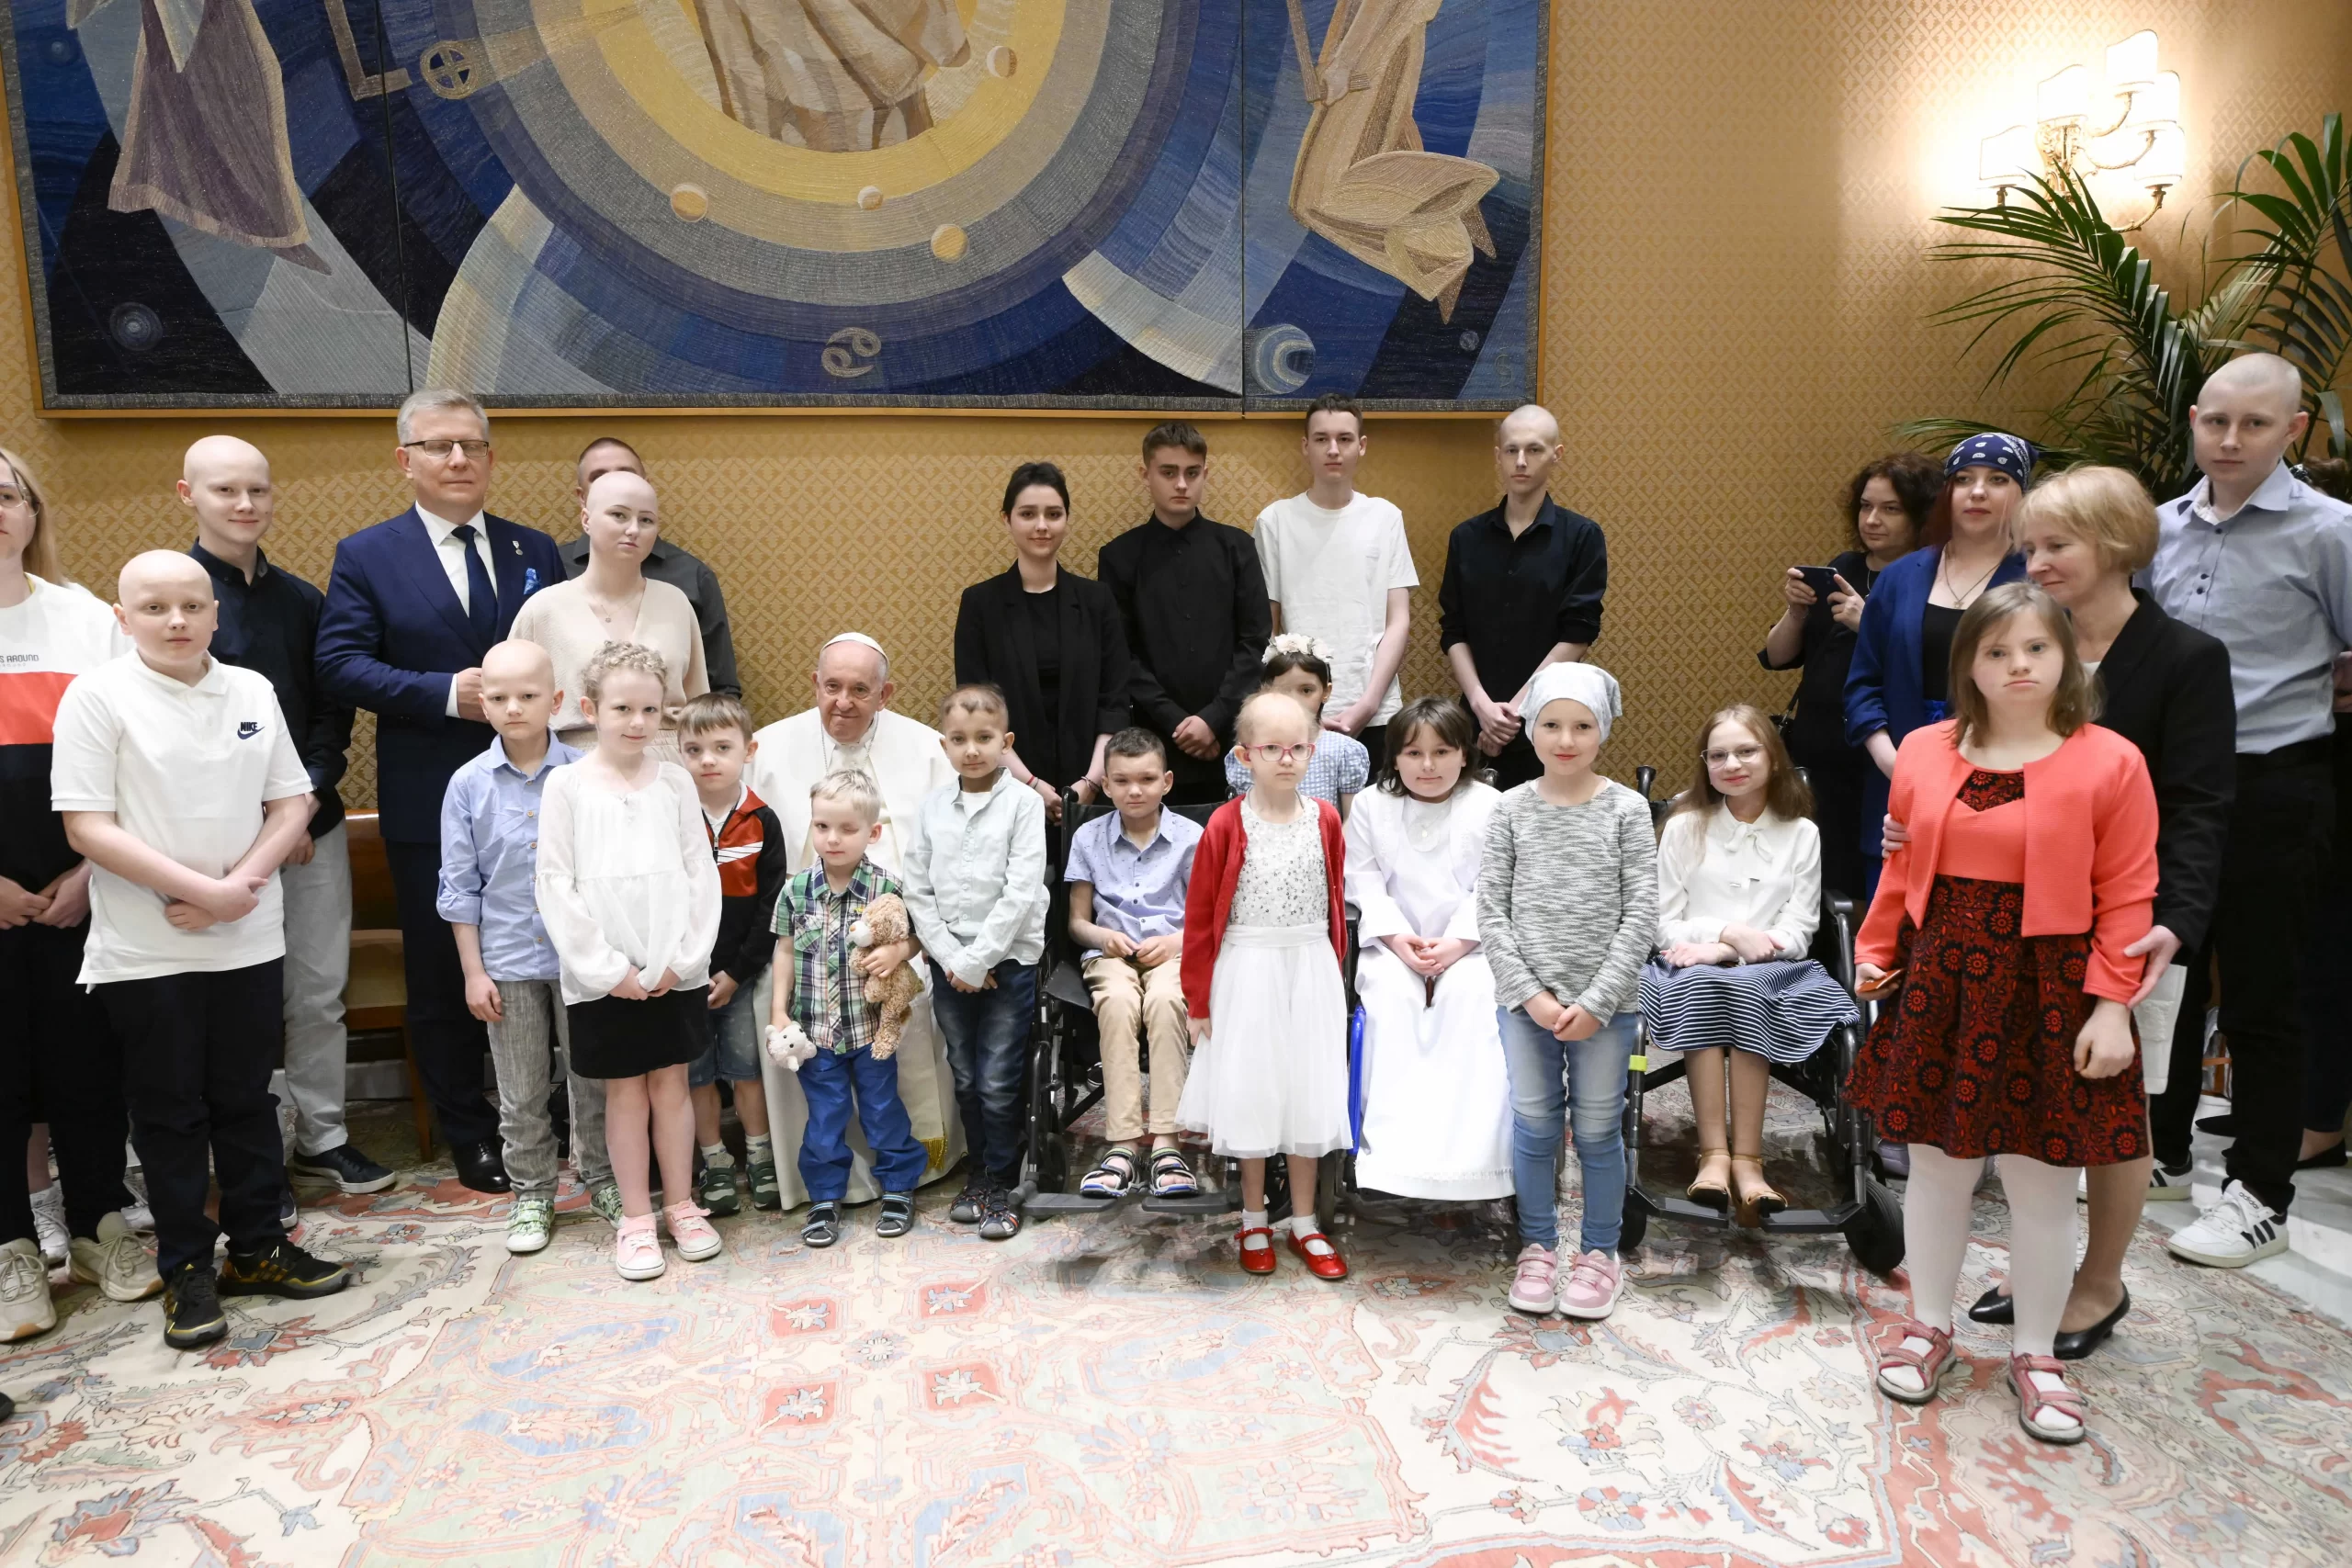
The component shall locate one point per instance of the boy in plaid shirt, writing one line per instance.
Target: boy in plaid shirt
(820, 990)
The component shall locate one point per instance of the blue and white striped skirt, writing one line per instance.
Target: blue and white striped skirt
(1781, 1012)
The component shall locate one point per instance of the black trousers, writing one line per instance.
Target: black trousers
(197, 1050)
(1515, 764)
(59, 1064)
(1376, 742)
(2327, 1026)
(449, 1042)
(2280, 832)
(1198, 782)
(1836, 776)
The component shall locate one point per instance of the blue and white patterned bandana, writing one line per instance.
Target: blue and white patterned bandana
(2012, 455)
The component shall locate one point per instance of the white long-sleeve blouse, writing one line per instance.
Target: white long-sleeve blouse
(1413, 864)
(1715, 870)
(626, 881)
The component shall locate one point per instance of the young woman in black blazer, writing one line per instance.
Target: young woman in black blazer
(1051, 640)
(2166, 688)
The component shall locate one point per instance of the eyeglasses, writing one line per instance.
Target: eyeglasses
(1280, 754)
(440, 450)
(1743, 755)
(13, 498)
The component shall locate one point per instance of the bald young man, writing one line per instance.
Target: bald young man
(268, 623)
(1522, 589)
(665, 562)
(2260, 559)
(176, 776)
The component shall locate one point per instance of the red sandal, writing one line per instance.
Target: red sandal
(1930, 1365)
(2034, 1399)
(1257, 1260)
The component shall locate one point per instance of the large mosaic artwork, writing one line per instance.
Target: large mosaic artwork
(1025, 203)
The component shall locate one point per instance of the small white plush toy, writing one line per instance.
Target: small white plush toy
(788, 1047)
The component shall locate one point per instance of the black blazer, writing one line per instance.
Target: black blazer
(2166, 689)
(992, 643)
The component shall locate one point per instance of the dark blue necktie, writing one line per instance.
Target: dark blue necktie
(481, 594)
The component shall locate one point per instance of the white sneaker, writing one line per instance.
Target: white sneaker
(118, 1263)
(24, 1307)
(2238, 1230)
(2169, 1186)
(136, 1214)
(49, 1223)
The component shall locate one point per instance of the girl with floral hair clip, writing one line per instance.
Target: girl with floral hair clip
(1300, 667)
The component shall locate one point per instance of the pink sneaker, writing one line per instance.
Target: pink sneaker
(1590, 1289)
(637, 1249)
(1531, 1288)
(695, 1236)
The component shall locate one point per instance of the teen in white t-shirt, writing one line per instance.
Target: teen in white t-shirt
(1338, 569)
(177, 777)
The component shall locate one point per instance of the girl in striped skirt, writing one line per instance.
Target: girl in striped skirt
(1739, 899)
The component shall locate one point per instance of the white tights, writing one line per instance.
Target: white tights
(1936, 1213)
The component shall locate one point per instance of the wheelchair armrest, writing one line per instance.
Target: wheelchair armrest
(1838, 912)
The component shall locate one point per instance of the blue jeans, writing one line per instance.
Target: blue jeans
(1547, 1078)
(734, 1053)
(827, 1079)
(987, 1033)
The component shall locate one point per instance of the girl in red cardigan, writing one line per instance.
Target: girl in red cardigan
(2006, 923)
(1263, 933)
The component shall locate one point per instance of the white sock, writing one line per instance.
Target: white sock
(758, 1146)
(1937, 1205)
(1254, 1219)
(716, 1156)
(2042, 1263)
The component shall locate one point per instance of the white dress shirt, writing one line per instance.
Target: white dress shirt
(1715, 871)
(974, 877)
(452, 554)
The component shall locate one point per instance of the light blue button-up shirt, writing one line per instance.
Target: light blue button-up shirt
(1139, 893)
(490, 860)
(974, 877)
(2274, 581)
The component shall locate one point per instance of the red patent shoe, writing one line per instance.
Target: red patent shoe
(1325, 1264)
(1257, 1260)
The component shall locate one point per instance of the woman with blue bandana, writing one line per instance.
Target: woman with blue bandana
(1901, 675)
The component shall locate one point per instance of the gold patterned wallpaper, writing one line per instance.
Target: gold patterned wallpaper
(1735, 280)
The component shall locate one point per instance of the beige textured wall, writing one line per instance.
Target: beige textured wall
(1735, 217)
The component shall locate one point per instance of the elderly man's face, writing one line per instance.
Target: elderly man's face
(850, 691)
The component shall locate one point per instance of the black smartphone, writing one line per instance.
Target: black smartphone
(1822, 579)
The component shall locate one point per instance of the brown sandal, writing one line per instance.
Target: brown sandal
(1706, 1195)
(2034, 1399)
(1754, 1207)
(1930, 1365)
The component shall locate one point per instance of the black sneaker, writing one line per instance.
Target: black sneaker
(1000, 1216)
(345, 1166)
(969, 1202)
(192, 1314)
(284, 1270)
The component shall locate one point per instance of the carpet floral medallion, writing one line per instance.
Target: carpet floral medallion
(1109, 1389)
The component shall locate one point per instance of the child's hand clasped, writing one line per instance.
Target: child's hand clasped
(722, 990)
(1153, 952)
(1428, 956)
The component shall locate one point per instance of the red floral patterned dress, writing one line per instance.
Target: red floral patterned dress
(1976, 1056)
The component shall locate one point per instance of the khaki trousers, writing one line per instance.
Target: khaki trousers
(1134, 1004)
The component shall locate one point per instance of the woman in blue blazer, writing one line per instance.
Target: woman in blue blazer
(1903, 651)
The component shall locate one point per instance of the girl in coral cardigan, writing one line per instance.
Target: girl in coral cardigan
(2004, 923)
(1264, 929)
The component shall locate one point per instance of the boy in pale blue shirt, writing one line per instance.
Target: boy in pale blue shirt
(490, 844)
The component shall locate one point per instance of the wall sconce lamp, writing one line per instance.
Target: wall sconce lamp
(2143, 136)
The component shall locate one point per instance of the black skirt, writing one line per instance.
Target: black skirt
(612, 1038)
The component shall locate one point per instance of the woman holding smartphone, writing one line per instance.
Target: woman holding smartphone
(1887, 506)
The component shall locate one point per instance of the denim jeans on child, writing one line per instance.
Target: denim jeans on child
(987, 1033)
(734, 1053)
(826, 1081)
(1550, 1078)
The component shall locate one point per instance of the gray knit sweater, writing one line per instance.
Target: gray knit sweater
(1568, 898)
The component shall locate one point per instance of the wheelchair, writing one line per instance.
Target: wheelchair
(1868, 1213)
(1065, 1082)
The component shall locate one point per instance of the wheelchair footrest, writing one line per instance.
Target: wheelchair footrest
(1204, 1202)
(1795, 1221)
(1064, 1203)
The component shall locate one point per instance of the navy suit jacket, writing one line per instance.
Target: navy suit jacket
(1884, 685)
(393, 634)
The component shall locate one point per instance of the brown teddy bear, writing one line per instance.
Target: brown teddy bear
(886, 921)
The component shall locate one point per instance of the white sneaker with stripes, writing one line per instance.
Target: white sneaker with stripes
(2238, 1230)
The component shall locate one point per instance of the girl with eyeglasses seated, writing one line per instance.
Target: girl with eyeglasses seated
(1738, 897)
(1338, 766)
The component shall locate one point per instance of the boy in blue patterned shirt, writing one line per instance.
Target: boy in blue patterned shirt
(819, 993)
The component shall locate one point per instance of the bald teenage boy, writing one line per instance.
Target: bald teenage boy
(177, 779)
(268, 623)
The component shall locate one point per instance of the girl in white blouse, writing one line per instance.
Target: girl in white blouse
(630, 893)
(1436, 1097)
(1738, 899)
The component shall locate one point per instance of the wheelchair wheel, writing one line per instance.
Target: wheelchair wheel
(1634, 1226)
(1049, 1153)
(1875, 1232)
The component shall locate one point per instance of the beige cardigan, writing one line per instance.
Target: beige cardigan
(560, 620)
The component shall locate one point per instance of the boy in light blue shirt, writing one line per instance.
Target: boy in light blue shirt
(490, 843)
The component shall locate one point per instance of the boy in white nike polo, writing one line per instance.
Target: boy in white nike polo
(177, 779)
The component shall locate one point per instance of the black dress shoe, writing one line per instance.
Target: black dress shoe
(2073, 1347)
(2326, 1159)
(480, 1168)
(1993, 1306)
(2221, 1125)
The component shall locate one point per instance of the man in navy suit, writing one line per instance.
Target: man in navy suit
(415, 604)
